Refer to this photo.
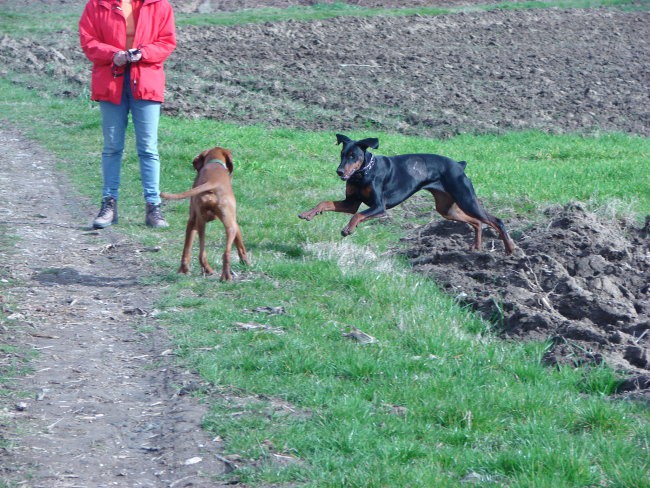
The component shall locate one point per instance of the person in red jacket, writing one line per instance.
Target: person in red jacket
(127, 42)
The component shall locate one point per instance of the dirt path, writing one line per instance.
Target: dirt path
(103, 405)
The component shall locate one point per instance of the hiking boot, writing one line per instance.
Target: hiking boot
(154, 217)
(107, 214)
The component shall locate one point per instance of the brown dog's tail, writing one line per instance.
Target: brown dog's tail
(209, 186)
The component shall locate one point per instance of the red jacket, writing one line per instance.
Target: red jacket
(102, 32)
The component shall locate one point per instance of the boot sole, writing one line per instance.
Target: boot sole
(103, 226)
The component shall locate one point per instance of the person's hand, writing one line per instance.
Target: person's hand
(120, 58)
(133, 55)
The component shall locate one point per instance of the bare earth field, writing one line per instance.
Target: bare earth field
(553, 70)
(486, 72)
(578, 279)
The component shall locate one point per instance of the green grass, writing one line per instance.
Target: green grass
(437, 400)
(321, 11)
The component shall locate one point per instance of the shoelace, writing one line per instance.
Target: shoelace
(107, 206)
(156, 214)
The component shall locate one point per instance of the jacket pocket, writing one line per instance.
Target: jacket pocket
(151, 83)
(99, 84)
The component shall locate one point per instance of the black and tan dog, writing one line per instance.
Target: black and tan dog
(211, 198)
(382, 182)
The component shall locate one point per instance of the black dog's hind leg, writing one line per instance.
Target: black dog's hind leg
(464, 206)
(449, 209)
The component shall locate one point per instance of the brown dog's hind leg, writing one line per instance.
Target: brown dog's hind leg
(231, 234)
(190, 233)
(203, 255)
(241, 249)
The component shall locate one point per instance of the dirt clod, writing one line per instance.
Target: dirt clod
(577, 279)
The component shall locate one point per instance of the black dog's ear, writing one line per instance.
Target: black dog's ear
(372, 142)
(340, 139)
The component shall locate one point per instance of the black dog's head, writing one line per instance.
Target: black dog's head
(353, 154)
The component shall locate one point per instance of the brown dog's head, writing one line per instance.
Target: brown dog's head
(217, 154)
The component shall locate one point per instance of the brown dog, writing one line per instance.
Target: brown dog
(211, 197)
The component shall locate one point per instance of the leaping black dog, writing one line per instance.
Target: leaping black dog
(382, 182)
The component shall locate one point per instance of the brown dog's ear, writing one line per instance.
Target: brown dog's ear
(199, 161)
(229, 164)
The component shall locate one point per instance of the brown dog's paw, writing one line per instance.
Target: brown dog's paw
(306, 216)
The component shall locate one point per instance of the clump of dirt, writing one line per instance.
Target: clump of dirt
(577, 279)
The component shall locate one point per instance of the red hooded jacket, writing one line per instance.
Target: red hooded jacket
(102, 32)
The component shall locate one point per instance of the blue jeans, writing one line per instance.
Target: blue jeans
(115, 119)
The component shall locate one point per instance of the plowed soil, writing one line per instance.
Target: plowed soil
(206, 6)
(484, 72)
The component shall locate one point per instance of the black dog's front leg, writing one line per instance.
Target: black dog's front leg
(369, 213)
(345, 206)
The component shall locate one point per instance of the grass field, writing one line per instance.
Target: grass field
(438, 400)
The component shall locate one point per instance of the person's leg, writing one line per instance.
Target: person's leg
(114, 123)
(146, 115)
(115, 119)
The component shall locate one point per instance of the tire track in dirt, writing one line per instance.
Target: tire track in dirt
(103, 406)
